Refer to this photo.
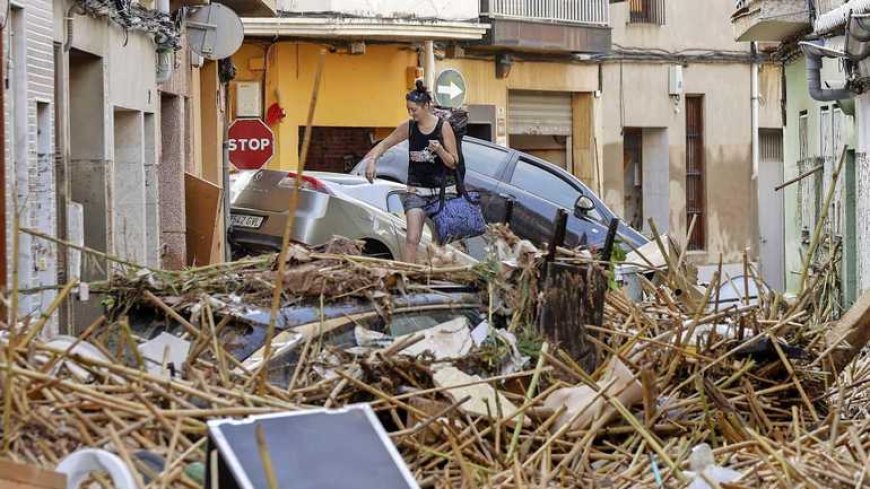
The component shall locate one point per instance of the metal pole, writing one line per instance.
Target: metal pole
(753, 86)
(508, 211)
(759, 192)
(607, 251)
(561, 225)
(228, 254)
(429, 65)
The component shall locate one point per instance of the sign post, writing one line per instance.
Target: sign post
(251, 144)
(450, 88)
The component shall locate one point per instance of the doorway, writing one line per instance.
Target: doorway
(632, 165)
(771, 209)
(646, 178)
(88, 173)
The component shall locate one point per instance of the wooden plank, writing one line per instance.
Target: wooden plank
(19, 476)
(202, 204)
(850, 334)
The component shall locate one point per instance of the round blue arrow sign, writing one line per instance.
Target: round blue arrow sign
(450, 88)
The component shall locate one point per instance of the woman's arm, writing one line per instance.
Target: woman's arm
(398, 135)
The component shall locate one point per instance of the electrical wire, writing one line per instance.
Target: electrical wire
(165, 29)
(622, 53)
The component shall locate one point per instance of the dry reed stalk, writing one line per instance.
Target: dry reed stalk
(266, 458)
(291, 218)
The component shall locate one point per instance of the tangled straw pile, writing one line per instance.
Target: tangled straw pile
(752, 380)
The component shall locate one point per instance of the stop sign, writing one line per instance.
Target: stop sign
(251, 143)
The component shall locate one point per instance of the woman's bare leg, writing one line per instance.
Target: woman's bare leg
(415, 219)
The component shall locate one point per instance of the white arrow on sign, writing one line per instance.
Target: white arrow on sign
(452, 90)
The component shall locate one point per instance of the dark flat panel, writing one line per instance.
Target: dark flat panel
(343, 449)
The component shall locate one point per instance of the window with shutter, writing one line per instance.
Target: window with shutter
(695, 198)
(646, 12)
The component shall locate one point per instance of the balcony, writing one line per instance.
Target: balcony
(456, 11)
(382, 20)
(595, 12)
(548, 25)
(769, 20)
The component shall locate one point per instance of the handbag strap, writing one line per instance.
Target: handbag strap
(460, 182)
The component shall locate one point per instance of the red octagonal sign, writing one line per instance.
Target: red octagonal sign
(251, 144)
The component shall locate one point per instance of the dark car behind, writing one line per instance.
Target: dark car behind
(535, 189)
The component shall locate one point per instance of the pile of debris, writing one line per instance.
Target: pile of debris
(670, 390)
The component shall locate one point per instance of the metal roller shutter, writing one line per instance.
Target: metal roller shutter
(532, 112)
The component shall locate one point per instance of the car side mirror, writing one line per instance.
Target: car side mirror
(583, 205)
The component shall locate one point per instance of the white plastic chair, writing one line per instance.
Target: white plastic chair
(78, 465)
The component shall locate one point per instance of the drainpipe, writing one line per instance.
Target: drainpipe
(753, 87)
(858, 33)
(814, 79)
(165, 58)
(859, 29)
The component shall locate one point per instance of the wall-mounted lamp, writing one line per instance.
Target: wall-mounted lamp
(503, 64)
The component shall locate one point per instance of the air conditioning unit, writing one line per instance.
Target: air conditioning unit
(675, 80)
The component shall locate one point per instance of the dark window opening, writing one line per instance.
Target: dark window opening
(633, 177)
(336, 149)
(646, 12)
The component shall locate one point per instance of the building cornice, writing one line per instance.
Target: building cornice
(363, 28)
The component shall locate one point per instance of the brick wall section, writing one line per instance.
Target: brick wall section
(337, 149)
(30, 172)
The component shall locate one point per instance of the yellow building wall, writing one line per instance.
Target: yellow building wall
(356, 90)
(485, 88)
(368, 90)
(580, 79)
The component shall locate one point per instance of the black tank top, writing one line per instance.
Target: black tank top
(425, 168)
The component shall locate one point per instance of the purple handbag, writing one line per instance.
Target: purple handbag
(456, 218)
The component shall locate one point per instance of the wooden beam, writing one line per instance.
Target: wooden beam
(19, 476)
(850, 335)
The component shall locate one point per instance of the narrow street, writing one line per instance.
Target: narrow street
(269, 244)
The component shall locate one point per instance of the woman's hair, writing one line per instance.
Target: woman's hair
(420, 94)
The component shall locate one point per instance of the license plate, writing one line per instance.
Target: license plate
(242, 221)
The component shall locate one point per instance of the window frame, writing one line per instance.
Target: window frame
(604, 213)
(505, 161)
(647, 12)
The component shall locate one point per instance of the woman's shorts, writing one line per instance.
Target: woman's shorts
(420, 198)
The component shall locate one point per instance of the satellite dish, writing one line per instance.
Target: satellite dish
(214, 31)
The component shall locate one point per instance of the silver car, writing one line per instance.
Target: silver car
(330, 204)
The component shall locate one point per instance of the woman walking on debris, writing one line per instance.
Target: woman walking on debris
(432, 157)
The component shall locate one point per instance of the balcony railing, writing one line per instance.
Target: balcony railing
(585, 12)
